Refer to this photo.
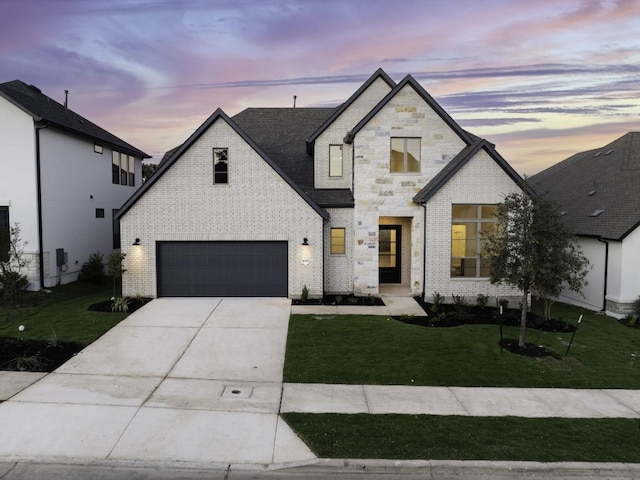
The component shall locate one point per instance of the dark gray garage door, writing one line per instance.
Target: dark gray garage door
(215, 269)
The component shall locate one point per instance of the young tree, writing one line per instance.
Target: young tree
(533, 249)
(12, 281)
(115, 268)
(148, 169)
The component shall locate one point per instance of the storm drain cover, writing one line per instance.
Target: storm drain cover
(232, 391)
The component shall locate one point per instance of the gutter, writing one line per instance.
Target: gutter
(606, 273)
(424, 251)
(38, 127)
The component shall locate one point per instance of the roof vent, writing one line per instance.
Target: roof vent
(597, 154)
(609, 152)
(597, 213)
(563, 213)
(592, 193)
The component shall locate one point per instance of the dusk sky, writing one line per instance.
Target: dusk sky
(542, 79)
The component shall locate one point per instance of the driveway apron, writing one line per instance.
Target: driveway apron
(194, 380)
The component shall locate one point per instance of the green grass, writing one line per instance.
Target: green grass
(468, 438)
(61, 315)
(379, 350)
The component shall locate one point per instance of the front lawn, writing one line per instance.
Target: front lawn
(375, 350)
(56, 325)
(468, 438)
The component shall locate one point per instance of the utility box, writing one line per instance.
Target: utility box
(61, 257)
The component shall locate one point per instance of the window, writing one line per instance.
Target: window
(469, 227)
(123, 168)
(405, 155)
(99, 212)
(5, 234)
(335, 160)
(337, 241)
(116, 229)
(220, 165)
(97, 148)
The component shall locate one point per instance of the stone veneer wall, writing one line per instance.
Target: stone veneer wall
(256, 204)
(379, 193)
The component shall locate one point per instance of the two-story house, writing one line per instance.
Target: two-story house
(385, 189)
(62, 178)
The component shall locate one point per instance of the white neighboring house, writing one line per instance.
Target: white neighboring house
(62, 180)
(384, 191)
(598, 195)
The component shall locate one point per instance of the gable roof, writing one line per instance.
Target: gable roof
(409, 80)
(338, 111)
(602, 179)
(466, 154)
(44, 109)
(179, 151)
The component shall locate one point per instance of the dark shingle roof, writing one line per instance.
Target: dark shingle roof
(281, 134)
(603, 179)
(42, 108)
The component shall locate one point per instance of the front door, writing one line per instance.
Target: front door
(389, 253)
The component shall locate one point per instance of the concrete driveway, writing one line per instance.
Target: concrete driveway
(194, 380)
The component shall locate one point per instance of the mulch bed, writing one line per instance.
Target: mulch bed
(107, 306)
(341, 300)
(18, 354)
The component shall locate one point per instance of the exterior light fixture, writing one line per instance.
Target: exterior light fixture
(136, 243)
(305, 241)
(305, 251)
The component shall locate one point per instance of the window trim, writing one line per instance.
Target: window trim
(220, 173)
(405, 171)
(341, 161)
(99, 212)
(478, 220)
(332, 246)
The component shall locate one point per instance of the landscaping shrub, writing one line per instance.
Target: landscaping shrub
(93, 269)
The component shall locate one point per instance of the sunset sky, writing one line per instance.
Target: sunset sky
(542, 79)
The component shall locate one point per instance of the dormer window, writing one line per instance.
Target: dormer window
(335, 161)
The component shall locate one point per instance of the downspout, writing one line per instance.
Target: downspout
(424, 250)
(38, 127)
(606, 273)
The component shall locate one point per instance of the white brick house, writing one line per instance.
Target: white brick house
(384, 189)
(63, 177)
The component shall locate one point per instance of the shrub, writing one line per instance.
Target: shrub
(304, 296)
(459, 300)
(93, 269)
(120, 304)
(12, 286)
(437, 301)
(482, 300)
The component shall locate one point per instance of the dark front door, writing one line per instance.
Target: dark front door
(389, 253)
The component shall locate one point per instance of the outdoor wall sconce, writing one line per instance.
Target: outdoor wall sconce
(136, 243)
(305, 251)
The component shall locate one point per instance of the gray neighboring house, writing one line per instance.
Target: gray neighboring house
(599, 198)
(384, 191)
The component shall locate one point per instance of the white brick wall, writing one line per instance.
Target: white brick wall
(335, 133)
(256, 204)
(339, 268)
(480, 181)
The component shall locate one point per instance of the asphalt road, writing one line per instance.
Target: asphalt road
(336, 470)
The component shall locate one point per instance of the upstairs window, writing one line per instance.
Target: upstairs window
(220, 166)
(335, 160)
(123, 169)
(405, 155)
(469, 227)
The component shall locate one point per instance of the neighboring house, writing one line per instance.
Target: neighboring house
(598, 195)
(62, 179)
(385, 189)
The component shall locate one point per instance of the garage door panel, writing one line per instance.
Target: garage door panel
(222, 268)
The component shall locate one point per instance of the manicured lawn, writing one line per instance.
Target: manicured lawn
(468, 438)
(61, 315)
(380, 350)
